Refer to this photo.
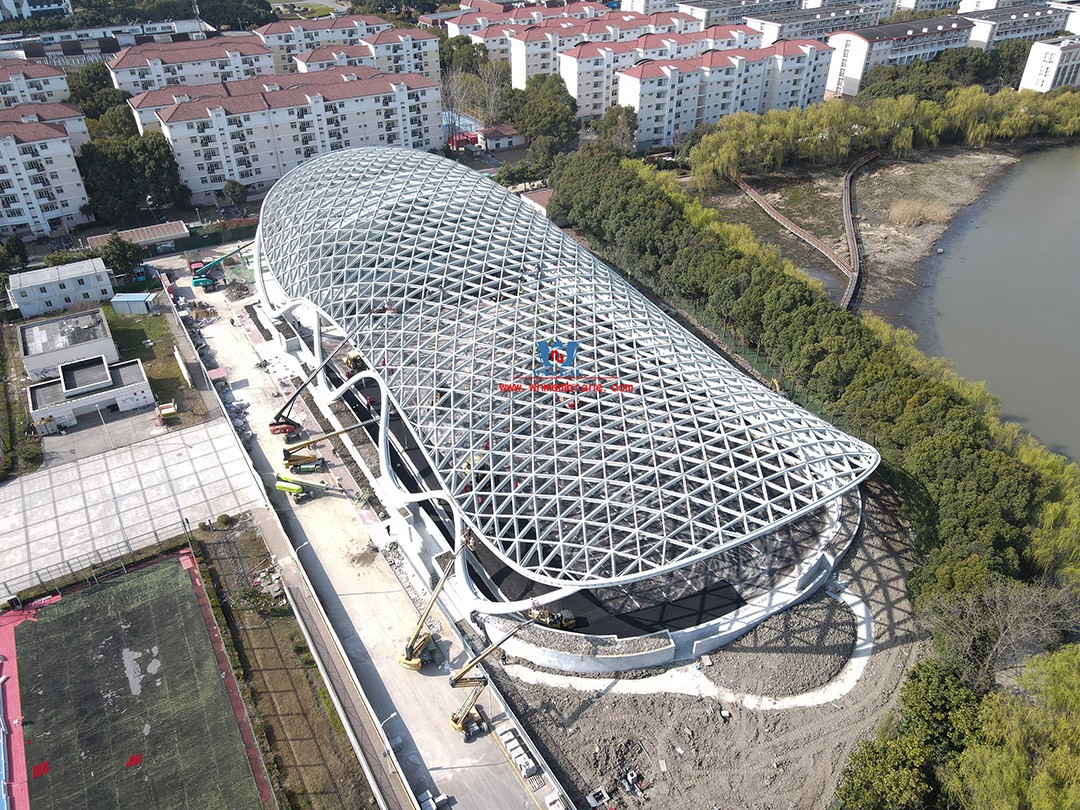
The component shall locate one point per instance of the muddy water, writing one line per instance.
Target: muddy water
(1002, 300)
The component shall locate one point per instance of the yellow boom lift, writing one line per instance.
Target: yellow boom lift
(420, 648)
(293, 457)
(467, 720)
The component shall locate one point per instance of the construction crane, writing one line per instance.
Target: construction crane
(204, 269)
(294, 458)
(281, 423)
(418, 649)
(467, 720)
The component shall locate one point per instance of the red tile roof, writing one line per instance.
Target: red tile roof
(30, 133)
(330, 52)
(173, 53)
(500, 131)
(398, 35)
(167, 96)
(323, 24)
(45, 112)
(295, 96)
(32, 70)
(655, 68)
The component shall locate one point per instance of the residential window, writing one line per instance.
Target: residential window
(82, 282)
(67, 299)
(86, 295)
(48, 303)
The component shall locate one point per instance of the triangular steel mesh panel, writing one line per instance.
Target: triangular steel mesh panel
(446, 283)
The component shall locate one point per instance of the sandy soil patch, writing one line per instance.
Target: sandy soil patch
(690, 756)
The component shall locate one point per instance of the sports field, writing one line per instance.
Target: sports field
(123, 701)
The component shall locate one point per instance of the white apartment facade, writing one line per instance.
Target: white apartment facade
(256, 138)
(68, 116)
(894, 44)
(472, 21)
(674, 96)
(815, 23)
(535, 51)
(48, 289)
(1051, 64)
(23, 82)
(994, 26)
(591, 70)
(335, 56)
(287, 39)
(25, 9)
(727, 12)
(1072, 8)
(405, 50)
(647, 6)
(967, 6)
(400, 50)
(922, 6)
(41, 190)
(159, 64)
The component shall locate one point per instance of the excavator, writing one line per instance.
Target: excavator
(557, 619)
(420, 647)
(467, 720)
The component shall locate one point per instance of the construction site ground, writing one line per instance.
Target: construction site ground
(361, 595)
(689, 756)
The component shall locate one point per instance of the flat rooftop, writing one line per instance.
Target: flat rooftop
(62, 272)
(93, 371)
(64, 332)
(121, 375)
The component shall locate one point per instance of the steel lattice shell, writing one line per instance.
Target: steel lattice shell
(446, 283)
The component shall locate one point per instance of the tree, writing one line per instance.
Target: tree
(84, 82)
(1027, 751)
(235, 192)
(156, 171)
(461, 53)
(618, 129)
(115, 122)
(120, 255)
(1010, 58)
(492, 90)
(16, 250)
(455, 95)
(965, 65)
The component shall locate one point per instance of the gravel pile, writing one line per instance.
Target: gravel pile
(577, 643)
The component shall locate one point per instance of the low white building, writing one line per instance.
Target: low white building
(90, 387)
(23, 82)
(1051, 64)
(287, 39)
(77, 47)
(674, 96)
(994, 26)
(46, 345)
(923, 6)
(856, 52)
(648, 6)
(48, 289)
(160, 64)
(1072, 8)
(257, 137)
(496, 139)
(815, 23)
(41, 190)
(68, 116)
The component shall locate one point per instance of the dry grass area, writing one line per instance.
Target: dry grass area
(20, 453)
(310, 759)
(913, 212)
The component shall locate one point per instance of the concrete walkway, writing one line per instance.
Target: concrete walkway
(690, 680)
(363, 599)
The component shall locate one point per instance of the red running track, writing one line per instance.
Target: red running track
(187, 560)
(11, 703)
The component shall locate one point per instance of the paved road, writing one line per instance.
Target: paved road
(366, 604)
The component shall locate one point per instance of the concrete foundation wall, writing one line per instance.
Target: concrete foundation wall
(590, 664)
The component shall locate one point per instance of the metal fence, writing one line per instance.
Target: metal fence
(93, 566)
